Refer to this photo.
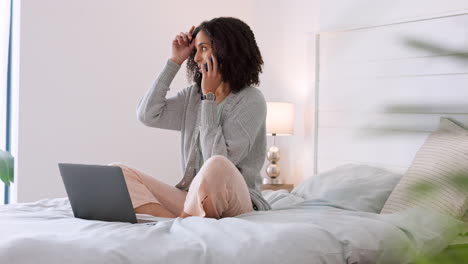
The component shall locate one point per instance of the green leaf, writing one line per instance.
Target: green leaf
(6, 167)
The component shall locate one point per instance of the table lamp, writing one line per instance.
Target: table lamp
(279, 122)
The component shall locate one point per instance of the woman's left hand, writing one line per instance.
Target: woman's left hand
(211, 79)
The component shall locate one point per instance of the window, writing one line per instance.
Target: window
(5, 80)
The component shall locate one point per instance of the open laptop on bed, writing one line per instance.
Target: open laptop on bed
(98, 192)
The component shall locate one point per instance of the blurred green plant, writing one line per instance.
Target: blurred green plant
(437, 49)
(457, 253)
(6, 167)
(458, 179)
(451, 255)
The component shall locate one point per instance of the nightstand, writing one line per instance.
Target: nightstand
(275, 187)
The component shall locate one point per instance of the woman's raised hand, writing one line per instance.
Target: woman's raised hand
(211, 77)
(182, 46)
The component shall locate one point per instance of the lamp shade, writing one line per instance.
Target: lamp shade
(280, 118)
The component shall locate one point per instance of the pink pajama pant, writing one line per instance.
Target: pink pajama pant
(219, 190)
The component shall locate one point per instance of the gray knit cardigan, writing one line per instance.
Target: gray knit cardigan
(241, 137)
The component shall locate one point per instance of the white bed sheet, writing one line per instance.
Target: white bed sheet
(296, 231)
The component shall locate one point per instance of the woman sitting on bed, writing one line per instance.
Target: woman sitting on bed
(221, 118)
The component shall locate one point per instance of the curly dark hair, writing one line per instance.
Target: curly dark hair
(236, 50)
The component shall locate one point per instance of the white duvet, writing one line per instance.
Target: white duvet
(296, 231)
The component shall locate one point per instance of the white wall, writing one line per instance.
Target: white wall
(285, 34)
(84, 66)
(14, 90)
(4, 37)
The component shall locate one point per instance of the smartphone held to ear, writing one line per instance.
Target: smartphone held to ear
(206, 64)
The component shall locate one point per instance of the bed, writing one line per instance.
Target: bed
(381, 91)
(361, 150)
(320, 221)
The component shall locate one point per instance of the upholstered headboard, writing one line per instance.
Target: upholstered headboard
(382, 89)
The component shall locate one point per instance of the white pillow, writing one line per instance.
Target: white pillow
(444, 154)
(354, 186)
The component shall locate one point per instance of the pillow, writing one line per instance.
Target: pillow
(358, 187)
(429, 182)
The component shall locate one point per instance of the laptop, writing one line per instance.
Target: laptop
(98, 192)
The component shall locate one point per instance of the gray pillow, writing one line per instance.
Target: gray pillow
(355, 186)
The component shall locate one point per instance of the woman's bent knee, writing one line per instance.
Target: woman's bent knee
(217, 160)
(218, 168)
(127, 171)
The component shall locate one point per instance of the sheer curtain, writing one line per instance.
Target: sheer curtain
(5, 48)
